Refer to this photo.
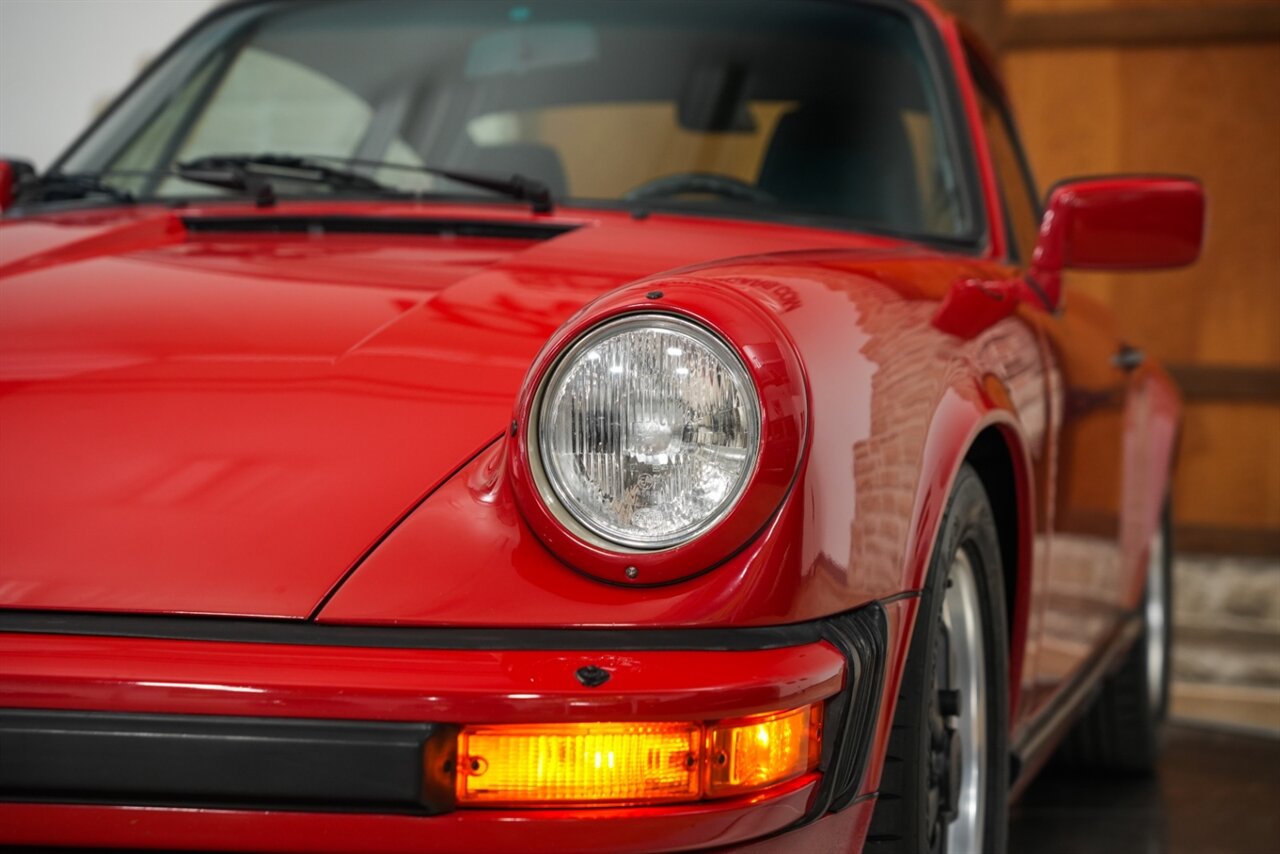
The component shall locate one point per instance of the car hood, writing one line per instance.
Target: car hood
(197, 419)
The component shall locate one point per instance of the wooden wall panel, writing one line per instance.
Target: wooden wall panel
(1213, 112)
(1209, 109)
(1141, 22)
(1229, 473)
(1066, 7)
(1069, 110)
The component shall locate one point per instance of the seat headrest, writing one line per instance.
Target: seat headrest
(530, 159)
(851, 160)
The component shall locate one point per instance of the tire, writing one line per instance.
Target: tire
(1123, 729)
(911, 813)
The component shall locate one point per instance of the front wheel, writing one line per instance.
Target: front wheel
(944, 787)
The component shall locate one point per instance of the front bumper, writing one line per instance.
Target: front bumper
(221, 734)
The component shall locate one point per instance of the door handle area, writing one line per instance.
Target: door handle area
(1128, 358)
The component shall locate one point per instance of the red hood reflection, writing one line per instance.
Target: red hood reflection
(225, 423)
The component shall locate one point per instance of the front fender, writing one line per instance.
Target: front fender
(895, 403)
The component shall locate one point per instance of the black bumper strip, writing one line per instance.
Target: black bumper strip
(302, 633)
(862, 636)
(227, 762)
(323, 765)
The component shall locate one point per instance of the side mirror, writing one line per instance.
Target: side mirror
(12, 174)
(1118, 223)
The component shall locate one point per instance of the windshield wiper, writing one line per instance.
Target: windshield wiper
(63, 187)
(257, 174)
(519, 187)
(254, 173)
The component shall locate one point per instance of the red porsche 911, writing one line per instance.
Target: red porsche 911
(567, 426)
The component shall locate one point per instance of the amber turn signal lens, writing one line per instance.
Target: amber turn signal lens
(751, 753)
(595, 763)
(612, 764)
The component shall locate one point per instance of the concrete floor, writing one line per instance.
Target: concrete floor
(1215, 793)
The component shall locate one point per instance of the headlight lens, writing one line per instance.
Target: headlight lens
(649, 430)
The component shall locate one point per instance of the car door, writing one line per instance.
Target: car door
(1079, 582)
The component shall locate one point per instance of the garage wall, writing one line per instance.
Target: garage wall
(1192, 87)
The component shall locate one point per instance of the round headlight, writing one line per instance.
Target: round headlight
(648, 431)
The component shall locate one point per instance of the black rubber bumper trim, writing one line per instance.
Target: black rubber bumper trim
(325, 765)
(221, 762)
(300, 633)
(862, 636)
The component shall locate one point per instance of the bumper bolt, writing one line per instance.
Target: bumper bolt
(592, 676)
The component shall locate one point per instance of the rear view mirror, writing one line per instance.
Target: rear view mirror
(12, 174)
(529, 48)
(1118, 223)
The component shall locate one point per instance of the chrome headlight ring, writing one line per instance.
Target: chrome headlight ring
(647, 431)
(672, 447)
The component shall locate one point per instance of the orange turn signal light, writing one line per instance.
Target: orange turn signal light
(755, 752)
(633, 763)
(578, 763)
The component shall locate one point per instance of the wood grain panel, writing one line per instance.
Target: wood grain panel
(1224, 383)
(1226, 540)
(1067, 7)
(1211, 110)
(986, 17)
(1142, 24)
(1069, 110)
(1071, 116)
(1229, 469)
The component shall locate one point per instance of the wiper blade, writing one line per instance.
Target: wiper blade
(243, 173)
(253, 173)
(256, 174)
(63, 187)
(519, 187)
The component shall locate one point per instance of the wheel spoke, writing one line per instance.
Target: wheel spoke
(962, 615)
(1157, 621)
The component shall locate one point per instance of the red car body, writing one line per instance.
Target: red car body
(271, 476)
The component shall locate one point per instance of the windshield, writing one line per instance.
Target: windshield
(774, 108)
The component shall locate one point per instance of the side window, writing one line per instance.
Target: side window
(1017, 190)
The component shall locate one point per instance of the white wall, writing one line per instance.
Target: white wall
(61, 61)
